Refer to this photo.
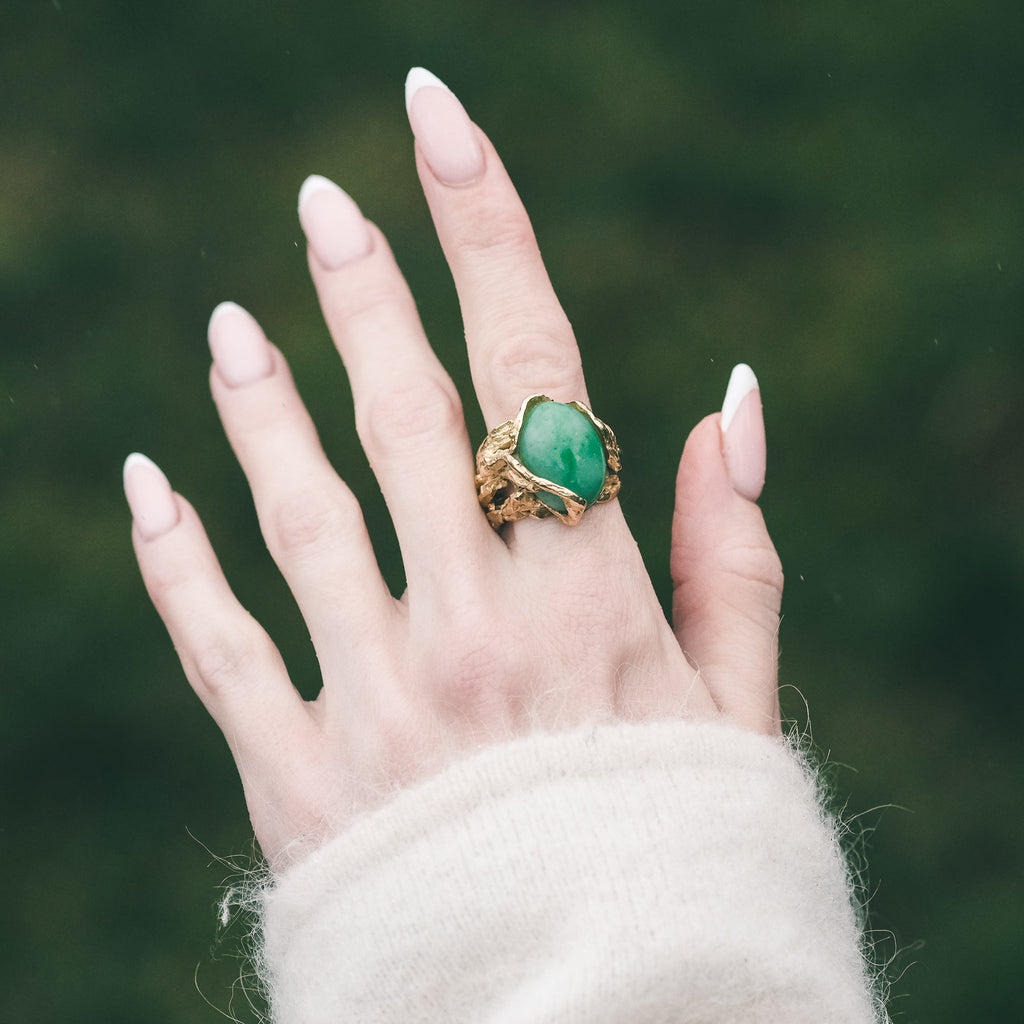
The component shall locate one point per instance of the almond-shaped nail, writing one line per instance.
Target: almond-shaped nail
(333, 224)
(150, 497)
(743, 440)
(238, 345)
(446, 136)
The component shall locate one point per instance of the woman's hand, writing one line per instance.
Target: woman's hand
(538, 627)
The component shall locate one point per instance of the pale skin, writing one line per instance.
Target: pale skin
(412, 683)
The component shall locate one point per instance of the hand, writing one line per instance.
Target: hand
(536, 627)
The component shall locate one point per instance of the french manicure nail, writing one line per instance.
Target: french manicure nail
(446, 136)
(150, 497)
(239, 348)
(335, 228)
(743, 440)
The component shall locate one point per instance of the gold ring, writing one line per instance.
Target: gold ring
(554, 459)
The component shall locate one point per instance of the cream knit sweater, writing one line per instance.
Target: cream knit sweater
(635, 874)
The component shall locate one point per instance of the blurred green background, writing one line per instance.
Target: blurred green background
(827, 190)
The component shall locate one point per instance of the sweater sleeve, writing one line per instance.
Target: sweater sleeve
(620, 874)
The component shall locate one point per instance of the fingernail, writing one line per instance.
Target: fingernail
(743, 441)
(335, 228)
(446, 136)
(150, 497)
(239, 347)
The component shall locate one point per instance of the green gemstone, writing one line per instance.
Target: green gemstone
(559, 443)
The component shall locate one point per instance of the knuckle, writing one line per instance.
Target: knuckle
(502, 230)
(174, 582)
(411, 411)
(482, 676)
(743, 574)
(471, 673)
(771, 573)
(377, 305)
(310, 519)
(534, 359)
(761, 567)
(164, 580)
(220, 664)
(752, 585)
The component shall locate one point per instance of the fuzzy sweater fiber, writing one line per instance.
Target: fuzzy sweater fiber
(614, 874)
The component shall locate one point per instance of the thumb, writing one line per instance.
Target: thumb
(726, 575)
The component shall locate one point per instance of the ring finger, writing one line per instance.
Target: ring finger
(309, 518)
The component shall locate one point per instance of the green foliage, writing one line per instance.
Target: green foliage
(829, 191)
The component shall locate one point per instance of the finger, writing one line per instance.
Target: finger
(310, 520)
(520, 341)
(228, 659)
(726, 574)
(408, 412)
(518, 337)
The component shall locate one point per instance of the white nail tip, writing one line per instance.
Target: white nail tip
(416, 80)
(221, 308)
(741, 382)
(138, 460)
(316, 183)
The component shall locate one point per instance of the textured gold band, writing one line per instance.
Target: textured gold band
(508, 490)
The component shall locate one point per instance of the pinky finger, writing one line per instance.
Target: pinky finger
(231, 663)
